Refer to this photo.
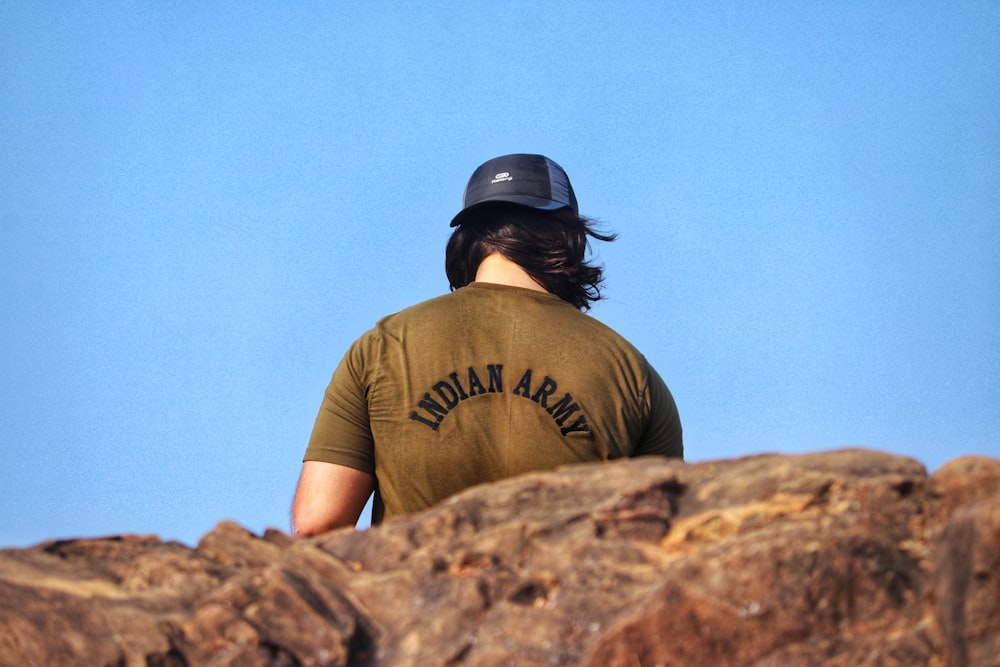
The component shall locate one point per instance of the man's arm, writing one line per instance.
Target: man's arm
(329, 496)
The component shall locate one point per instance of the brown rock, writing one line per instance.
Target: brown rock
(964, 527)
(849, 557)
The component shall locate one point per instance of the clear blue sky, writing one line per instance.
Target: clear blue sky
(203, 204)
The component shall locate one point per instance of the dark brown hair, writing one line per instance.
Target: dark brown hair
(551, 246)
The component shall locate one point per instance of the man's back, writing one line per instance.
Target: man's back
(484, 383)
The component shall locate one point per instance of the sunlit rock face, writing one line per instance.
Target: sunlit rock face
(849, 557)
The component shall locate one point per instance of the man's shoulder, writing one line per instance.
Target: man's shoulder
(421, 314)
(420, 309)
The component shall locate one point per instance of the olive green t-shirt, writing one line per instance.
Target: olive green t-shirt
(482, 384)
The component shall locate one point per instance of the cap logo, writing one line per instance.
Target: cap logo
(502, 176)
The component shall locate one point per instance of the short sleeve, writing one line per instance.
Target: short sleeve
(663, 435)
(342, 432)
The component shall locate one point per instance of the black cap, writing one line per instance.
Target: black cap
(529, 180)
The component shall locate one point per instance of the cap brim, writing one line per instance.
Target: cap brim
(540, 203)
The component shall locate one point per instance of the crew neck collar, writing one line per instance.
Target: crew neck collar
(500, 287)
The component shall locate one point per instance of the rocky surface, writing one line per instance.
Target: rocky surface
(849, 557)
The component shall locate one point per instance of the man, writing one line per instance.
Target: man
(502, 376)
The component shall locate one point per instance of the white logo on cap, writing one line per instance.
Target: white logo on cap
(502, 176)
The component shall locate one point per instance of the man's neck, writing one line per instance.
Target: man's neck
(499, 270)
